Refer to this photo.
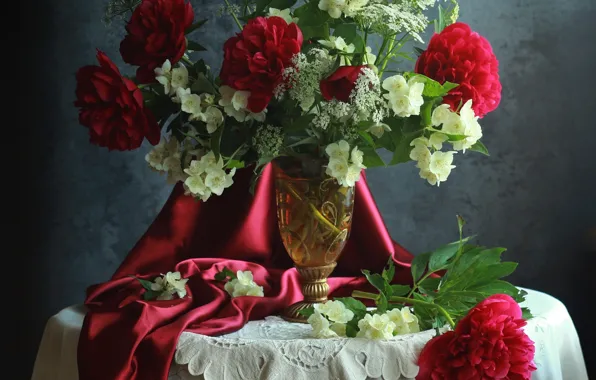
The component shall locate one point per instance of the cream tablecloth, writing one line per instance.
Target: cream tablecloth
(558, 351)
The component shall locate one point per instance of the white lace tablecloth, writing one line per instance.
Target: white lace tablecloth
(273, 349)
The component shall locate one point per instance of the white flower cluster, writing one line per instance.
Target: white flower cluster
(385, 326)
(301, 79)
(283, 13)
(207, 176)
(332, 110)
(243, 285)
(395, 18)
(234, 103)
(169, 284)
(404, 97)
(366, 98)
(335, 8)
(268, 140)
(334, 311)
(436, 166)
(166, 157)
(171, 79)
(345, 172)
(330, 318)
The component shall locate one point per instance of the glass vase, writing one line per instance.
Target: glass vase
(314, 215)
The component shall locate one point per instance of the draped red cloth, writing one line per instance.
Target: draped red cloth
(127, 338)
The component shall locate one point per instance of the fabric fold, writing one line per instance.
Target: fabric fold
(127, 338)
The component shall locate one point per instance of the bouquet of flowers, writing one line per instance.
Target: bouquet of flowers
(309, 82)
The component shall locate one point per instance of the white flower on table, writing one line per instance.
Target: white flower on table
(169, 284)
(320, 326)
(283, 13)
(405, 322)
(243, 285)
(375, 327)
(336, 311)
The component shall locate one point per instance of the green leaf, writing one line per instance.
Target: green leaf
(145, 283)
(150, 295)
(305, 141)
(282, 4)
(224, 274)
(200, 66)
(403, 136)
(310, 32)
(479, 147)
(526, 313)
(419, 264)
(235, 164)
(426, 314)
(352, 329)
(499, 287)
(353, 304)
(195, 26)
(448, 86)
(372, 158)
(440, 257)
(216, 141)
(346, 31)
(400, 290)
(194, 46)
(307, 312)
(418, 51)
(382, 286)
(429, 285)
(299, 124)
(389, 271)
(202, 84)
(440, 22)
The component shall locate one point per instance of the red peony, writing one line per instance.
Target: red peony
(489, 343)
(112, 107)
(461, 56)
(254, 60)
(156, 33)
(341, 83)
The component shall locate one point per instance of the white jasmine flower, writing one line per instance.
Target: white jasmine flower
(217, 180)
(180, 94)
(338, 169)
(441, 115)
(213, 118)
(396, 85)
(333, 7)
(436, 140)
(191, 104)
(179, 78)
(352, 176)
(164, 149)
(197, 187)
(405, 322)
(173, 166)
(243, 285)
(339, 43)
(379, 129)
(369, 57)
(234, 102)
(429, 176)
(320, 326)
(336, 311)
(169, 284)
(440, 165)
(257, 116)
(341, 149)
(357, 157)
(283, 13)
(338, 328)
(420, 153)
(375, 327)
(472, 129)
(163, 75)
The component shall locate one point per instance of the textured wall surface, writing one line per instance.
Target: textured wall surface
(535, 195)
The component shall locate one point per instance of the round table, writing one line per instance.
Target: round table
(275, 349)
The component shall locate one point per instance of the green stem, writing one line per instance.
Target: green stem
(386, 59)
(381, 49)
(314, 210)
(411, 301)
(186, 60)
(235, 153)
(233, 14)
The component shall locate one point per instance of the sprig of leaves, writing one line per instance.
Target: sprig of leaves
(149, 294)
(225, 275)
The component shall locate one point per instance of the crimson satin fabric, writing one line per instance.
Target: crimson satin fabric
(126, 338)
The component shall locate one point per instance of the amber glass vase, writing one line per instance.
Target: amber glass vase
(314, 215)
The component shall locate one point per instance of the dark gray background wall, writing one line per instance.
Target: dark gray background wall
(535, 195)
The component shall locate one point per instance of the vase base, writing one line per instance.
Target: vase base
(292, 312)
